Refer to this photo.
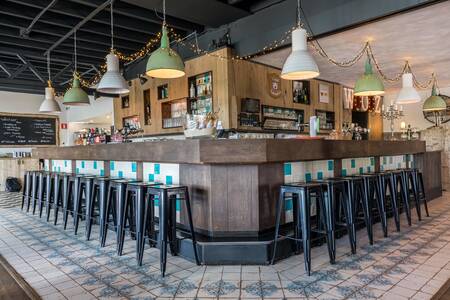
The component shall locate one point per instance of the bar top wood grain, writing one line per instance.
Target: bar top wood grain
(232, 151)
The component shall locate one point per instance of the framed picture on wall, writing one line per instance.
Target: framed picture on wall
(300, 91)
(324, 93)
(125, 101)
(274, 85)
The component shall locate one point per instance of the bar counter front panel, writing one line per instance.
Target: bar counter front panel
(234, 183)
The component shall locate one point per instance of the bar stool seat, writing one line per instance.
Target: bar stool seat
(301, 194)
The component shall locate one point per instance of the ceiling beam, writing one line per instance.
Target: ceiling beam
(18, 70)
(26, 31)
(31, 67)
(81, 23)
(5, 69)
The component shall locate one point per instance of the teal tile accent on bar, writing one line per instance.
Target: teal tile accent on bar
(353, 163)
(120, 174)
(133, 167)
(308, 177)
(156, 201)
(151, 177)
(169, 180)
(65, 164)
(157, 168)
(330, 165)
(111, 166)
(361, 170)
(83, 164)
(319, 175)
(178, 205)
(288, 204)
(344, 172)
(95, 165)
(287, 169)
(372, 161)
(59, 169)
(102, 172)
(369, 169)
(77, 171)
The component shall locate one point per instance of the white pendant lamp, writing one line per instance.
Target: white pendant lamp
(49, 105)
(300, 64)
(408, 94)
(112, 81)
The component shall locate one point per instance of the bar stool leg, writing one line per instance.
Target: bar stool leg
(405, 195)
(141, 209)
(150, 219)
(121, 211)
(89, 193)
(172, 224)
(297, 224)
(328, 217)
(364, 196)
(413, 177)
(105, 206)
(42, 185)
(305, 206)
(79, 187)
(37, 196)
(163, 230)
(191, 225)
(349, 212)
(422, 188)
(57, 199)
(393, 193)
(381, 207)
(33, 191)
(48, 196)
(277, 224)
(25, 192)
(67, 198)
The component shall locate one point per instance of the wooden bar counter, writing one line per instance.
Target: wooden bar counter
(234, 183)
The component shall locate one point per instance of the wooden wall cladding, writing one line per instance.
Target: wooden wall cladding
(233, 80)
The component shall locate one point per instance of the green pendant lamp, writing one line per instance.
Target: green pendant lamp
(165, 62)
(369, 84)
(76, 96)
(434, 103)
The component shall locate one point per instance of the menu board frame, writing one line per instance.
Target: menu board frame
(34, 116)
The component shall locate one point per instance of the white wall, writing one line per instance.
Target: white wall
(413, 112)
(22, 103)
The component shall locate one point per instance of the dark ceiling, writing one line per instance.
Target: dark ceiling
(28, 28)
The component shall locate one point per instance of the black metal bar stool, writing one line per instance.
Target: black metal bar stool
(42, 176)
(421, 191)
(372, 192)
(26, 194)
(60, 189)
(167, 197)
(301, 194)
(410, 181)
(402, 193)
(34, 191)
(338, 197)
(143, 214)
(357, 192)
(70, 196)
(98, 199)
(84, 193)
(116, 191)
(387, 183)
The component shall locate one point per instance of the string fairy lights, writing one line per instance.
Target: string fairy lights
(193, 45)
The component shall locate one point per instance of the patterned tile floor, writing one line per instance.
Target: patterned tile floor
(413, 264)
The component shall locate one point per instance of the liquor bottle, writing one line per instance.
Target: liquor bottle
(192, 90)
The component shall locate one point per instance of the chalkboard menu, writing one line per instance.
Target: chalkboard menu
(27, 130)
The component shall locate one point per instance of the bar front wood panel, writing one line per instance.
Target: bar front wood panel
(430, 165)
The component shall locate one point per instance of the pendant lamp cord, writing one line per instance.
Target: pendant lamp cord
(299, 8)
(164, 12)
(112, 26)
(75, 48)
(48, 66)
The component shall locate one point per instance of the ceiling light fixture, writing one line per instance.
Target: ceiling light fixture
(408, 94)
(369, 84)
(300, 64)
(112, 81)
(76, 96)
(165, 62)
(49, 105)
(434, 103)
